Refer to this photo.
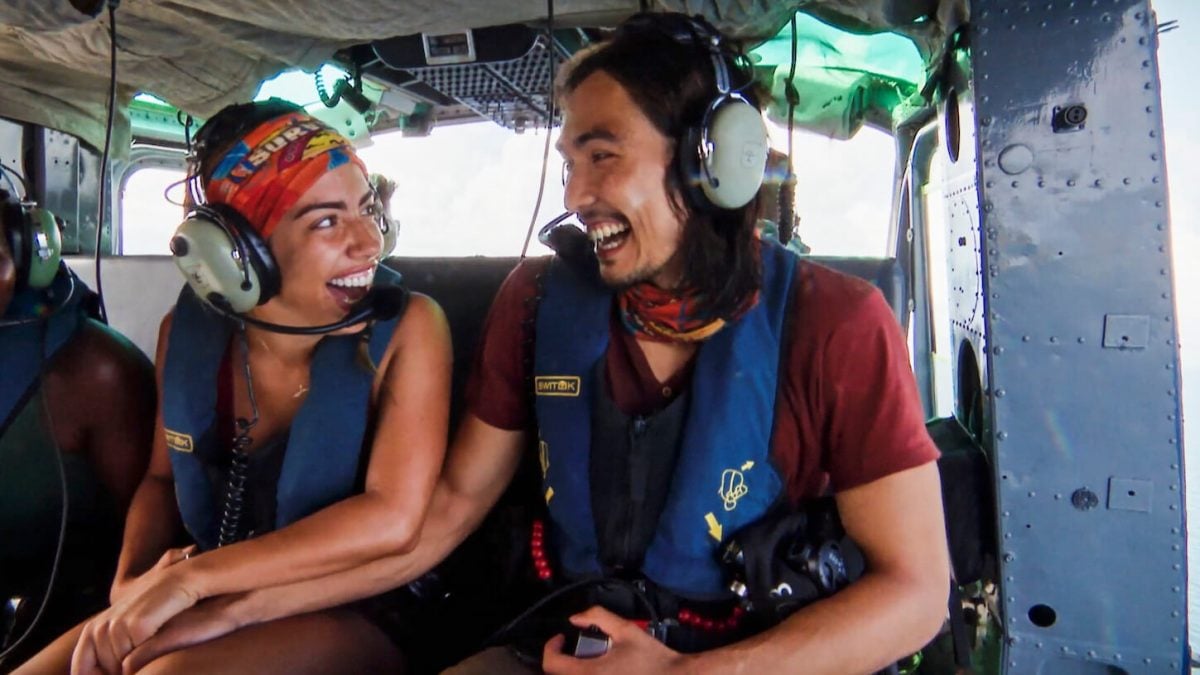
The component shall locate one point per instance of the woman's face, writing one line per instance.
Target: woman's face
(327, 247)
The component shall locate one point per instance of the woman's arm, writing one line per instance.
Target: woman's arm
(412, 401)
(480, 465)
(153, 518)
(411, 397)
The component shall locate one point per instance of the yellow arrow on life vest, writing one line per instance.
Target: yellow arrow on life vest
(748, 465)
(714, 528)
(549, 494)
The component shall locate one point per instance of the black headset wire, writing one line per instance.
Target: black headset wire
(233, 507)
(108, 129)
(787, 195)
(62, 521)
(638, 593)
(9, 171)
(537, 206)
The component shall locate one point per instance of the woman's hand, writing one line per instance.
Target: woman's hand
(206, 621)
(127, 584)
(151, 601)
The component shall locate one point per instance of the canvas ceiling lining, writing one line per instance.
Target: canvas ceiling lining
(203, 54)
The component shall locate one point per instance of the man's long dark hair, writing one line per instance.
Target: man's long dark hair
(672, 82)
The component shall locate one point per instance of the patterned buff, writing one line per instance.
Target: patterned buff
(264, 174)
(663, 316)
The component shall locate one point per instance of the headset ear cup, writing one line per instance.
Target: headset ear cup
(390, 230)
(260, 259)
(737, 159)
(16, 228)
(206, 247)
(45, 248)
(691, 171)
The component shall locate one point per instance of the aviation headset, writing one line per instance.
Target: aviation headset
(221, 255)
(34, 240)
(722, 159)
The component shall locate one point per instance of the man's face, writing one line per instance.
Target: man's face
(618, 162)
(8, 270)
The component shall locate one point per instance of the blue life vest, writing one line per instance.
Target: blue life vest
(723, 479)
(324, 447)
(26, 347)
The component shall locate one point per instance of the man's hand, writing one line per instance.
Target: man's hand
(124, 585)
(206, 621)
(631, 651)
(114, 633)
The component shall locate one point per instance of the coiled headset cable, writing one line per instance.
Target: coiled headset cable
(234, 505)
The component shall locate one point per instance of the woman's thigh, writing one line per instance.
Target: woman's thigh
(334, 641)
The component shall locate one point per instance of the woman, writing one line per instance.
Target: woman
(362, 415)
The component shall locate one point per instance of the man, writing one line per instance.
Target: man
(73, 391)
(686, 381)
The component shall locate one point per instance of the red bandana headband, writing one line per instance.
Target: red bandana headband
(270, 168)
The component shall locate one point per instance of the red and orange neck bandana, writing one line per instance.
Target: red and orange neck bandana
(270, 168)
(669, 316)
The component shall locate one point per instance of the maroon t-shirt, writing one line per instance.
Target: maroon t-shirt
(847, 411)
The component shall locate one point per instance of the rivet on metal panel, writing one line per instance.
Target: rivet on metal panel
(1000, 393)
(1008, 557)
(1154, 158)
(1074, 21)
(997, 350)
(1097, 183)
(1154, 179)
(1032, 494)
(1002, 435)
(1172, 507)
(1041, 183)
(1160, 227)
(1174, 530)
(1053, 339)
(1091, 653)
(1015, 184)
(1008, 535)
(1153, 134)
(1149, 108)
(1176, 589)
(1081, 341)
(1141, 40)
(1126, 181)
(1084, 499)
(1148, 86)
(1147, 660)
(1057, 496)
(1025, 338)
(1070, 182)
